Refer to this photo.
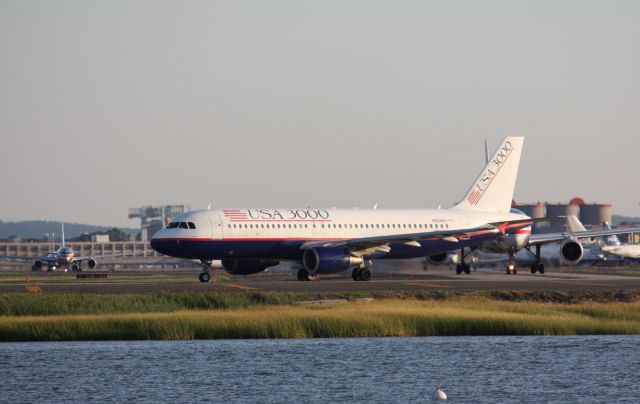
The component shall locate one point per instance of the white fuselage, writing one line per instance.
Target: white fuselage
(631, 251)
(279, 233)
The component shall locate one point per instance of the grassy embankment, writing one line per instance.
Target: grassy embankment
(54, 317)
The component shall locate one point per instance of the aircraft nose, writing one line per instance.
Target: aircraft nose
(158, 241)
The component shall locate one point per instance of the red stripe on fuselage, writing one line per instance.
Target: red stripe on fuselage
(279, 221)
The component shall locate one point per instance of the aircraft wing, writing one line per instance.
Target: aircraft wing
(99, 257)
(553, 237)
(381, 243)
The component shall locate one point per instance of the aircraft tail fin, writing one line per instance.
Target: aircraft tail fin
(63, 234)
(575, 225)
(493, 189)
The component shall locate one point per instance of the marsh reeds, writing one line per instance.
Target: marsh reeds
(247, 318)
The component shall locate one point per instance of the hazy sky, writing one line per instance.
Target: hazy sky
(107, 105)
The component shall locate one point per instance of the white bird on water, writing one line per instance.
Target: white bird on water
(439, 394)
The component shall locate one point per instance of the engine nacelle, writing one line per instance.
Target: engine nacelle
(247, 267)
(91, 263)
(508, 242)
(328, 260)
(445, 258)
(571, 252)
(38, 265)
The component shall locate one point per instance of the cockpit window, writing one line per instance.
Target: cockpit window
(191, 225)
(172, 225)
(182, 225)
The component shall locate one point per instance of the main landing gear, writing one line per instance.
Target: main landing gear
(361, 274)
(205, 276)
(463, 266)
(537, 266)
(304, 275)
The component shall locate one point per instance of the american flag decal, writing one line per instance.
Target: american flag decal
(474, 198)
(235, 214)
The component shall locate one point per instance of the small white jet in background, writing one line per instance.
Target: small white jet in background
(63, 257)
(622, 250)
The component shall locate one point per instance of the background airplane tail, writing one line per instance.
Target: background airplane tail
(574, 224)
(493, 189)
(611, 240)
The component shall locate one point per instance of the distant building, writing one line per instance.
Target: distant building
(590, 214)
(154, 218)
(100, 238)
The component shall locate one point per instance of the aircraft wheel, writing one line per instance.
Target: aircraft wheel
(467, 269)
(365, 274)
(304, 275)
(204, 277)
(537, 268)
(511, 268)
(355, 274)
(459, 269)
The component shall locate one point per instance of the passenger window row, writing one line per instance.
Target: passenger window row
(339, 226)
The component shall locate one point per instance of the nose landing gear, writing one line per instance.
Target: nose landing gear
(205, 276)
(511, 266)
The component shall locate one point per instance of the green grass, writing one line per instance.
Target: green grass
(253, 316)
(25, 304)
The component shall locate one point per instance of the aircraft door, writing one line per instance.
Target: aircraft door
(216, 227)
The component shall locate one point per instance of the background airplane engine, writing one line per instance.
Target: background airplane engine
(247, 267)
(328, 260)
(508, 242)
(445, 258)
(571, 252)
(91, 263)
(38, 265)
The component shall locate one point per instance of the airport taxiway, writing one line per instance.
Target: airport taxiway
(435, 280)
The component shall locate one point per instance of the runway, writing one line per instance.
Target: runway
(435, 280)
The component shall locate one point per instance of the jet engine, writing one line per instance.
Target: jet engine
(37, 265)
(328, 260)
(91, 263)
(445, 258)
(508, 242)
(247, 267)
(571, 252)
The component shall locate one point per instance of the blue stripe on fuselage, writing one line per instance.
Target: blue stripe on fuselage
(290, 249)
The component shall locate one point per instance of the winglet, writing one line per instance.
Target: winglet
(493, 188)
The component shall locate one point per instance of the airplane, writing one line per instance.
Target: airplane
(553, 247)
(63, 257)
(570, 252)
(615, 247)
(326, 241)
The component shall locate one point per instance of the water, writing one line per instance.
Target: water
(471, 369)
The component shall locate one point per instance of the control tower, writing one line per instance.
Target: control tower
(154, 218)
